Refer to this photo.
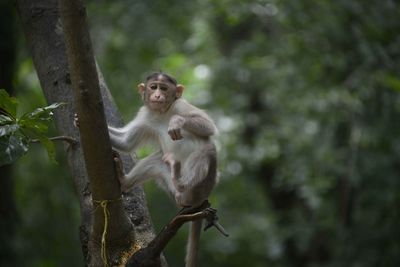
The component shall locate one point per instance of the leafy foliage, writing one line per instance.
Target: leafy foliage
(16, 133)
(306, 96)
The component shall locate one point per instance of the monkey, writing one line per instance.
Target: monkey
(185, 163)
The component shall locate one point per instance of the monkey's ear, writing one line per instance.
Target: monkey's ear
(179, 90)
(141, 88)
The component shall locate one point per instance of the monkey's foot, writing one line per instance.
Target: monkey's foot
(194, 209)
(168, 158)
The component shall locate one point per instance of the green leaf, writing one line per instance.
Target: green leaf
(8, 129)
(14, 133)
(392, 82)
(35, 126)
(9, 104)
(45, 113)
(12, 147)
(36, 121)
(4, 120)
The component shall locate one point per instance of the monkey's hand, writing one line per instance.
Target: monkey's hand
(175, 125)
(119, 169)
(168, 159)
(76, 120)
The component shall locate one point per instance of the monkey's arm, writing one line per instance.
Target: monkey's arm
(197, 124)
(128, 141)
(130, 137)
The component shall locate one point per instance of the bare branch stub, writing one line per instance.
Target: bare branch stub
(213, 221)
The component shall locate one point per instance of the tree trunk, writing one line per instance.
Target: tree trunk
(44, 34)
(8, 213)
(112, 232)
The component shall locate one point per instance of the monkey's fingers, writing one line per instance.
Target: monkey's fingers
(192, 209)
(116, 154)
(175, 134)
(76, 120)
(118, 166)
(179, 135)
(171, 134)
(168, 158)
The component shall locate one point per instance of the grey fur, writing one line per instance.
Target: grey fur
(185, 133)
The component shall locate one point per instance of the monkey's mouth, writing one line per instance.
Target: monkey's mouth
(157, 102)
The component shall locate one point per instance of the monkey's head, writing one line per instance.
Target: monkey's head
(160, 91)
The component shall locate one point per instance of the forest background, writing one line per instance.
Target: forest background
(306, 97)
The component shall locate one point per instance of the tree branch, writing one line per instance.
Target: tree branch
(145, 256)
(70, 140)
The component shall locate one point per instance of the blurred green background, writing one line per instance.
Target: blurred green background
(306, 95)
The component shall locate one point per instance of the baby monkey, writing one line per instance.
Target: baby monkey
(182, 133)
(185, 164)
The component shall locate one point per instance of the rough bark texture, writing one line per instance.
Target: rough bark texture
(41, 24)
(112, 232)
(8, 213)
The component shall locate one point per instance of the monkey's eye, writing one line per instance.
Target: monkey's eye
(153, 87)
(163, 88)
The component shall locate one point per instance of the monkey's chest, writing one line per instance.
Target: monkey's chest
(180, 148)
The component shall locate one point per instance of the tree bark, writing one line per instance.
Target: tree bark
(111, 225)
(42, 27)
(8, 212)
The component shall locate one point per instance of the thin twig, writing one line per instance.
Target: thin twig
(68, 139)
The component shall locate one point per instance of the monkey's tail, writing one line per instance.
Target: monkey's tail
(193, 243)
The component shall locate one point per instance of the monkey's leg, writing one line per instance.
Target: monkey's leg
(151, 167)
(176, 170)
(199, 166)
(175, 166)
(199, 176)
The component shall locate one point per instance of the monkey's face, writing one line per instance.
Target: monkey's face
(159, 94)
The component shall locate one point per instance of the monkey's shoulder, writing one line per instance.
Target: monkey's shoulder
(184, 108)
